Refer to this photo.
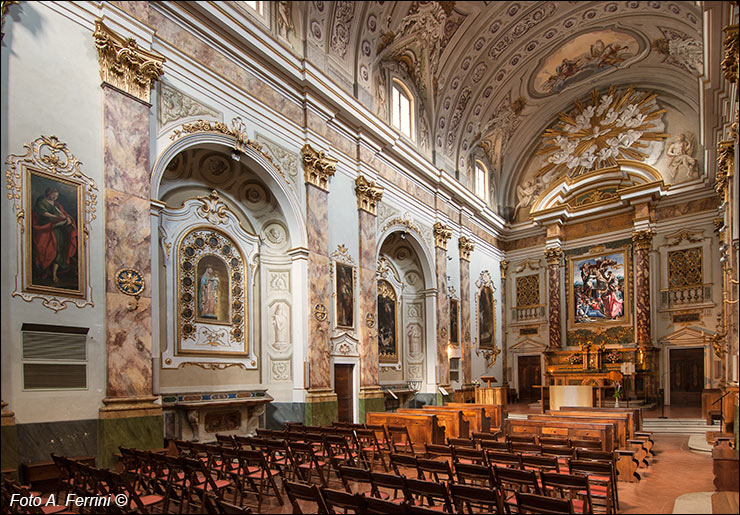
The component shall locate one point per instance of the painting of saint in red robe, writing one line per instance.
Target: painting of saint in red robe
(54, 234)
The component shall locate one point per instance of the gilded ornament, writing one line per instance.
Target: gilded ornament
(318, 167)
(370, 320)
(319, 312)
(643, 239)
(368, 195)
(730, 61)
(725, 164)
(441, 235)
(466, 246)
(130, 282)
(595, 136)
(124, 65)
(553, 255)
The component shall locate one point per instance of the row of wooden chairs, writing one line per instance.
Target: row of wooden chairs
(419, 497)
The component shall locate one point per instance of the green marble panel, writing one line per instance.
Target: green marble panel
(369, 405)
(9, 448)
(321, 413)
(138, 432)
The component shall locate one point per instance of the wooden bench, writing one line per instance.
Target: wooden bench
(636, 413)
(453, 421)
(423, 427)
(494, 412)
(476, 417)
(43, 475)
(604, 432)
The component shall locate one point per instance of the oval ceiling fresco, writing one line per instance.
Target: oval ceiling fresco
(582, 57)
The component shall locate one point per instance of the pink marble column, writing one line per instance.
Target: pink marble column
(368, 301)
(503, 266)
(643, 243)
(553, 256)
(319, 291)
(441, 235)
(466, 247)
(127, 244)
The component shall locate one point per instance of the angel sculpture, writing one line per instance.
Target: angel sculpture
(681, 163)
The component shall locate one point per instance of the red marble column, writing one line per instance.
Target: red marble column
(441, 235)
(643, 243)
(466, 247)
(553, 256)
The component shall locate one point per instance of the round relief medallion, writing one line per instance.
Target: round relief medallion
(130, 281)
(275, 234)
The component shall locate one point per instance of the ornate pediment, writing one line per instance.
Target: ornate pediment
(528, 345)
(344, 345)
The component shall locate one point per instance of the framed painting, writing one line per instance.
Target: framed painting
(387, 323)
(599, 289)
(344, 287)
(486, 318)
(454, 322)
(55, 205)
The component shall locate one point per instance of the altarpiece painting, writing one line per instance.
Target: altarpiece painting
(387, 323)
(599, 289)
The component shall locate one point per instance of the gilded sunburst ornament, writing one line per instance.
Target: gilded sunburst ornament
(626, 126)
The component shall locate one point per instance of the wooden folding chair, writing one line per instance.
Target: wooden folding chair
(305, 463)
(339, 499)
(512, 480)
(461, 442)
(401, 440)
(532, 503)
(375, 506)
(495, 445)
(369, 448)
(429, 493)
(256, 475)
(118, 484)
(603, 487)
(198, 482)
(299, 491)
(392, 482)
(435, 470)
(361, 477)
(400, 462)
(468, 455)
(540, 463)
(568, 486)
(475, 474)
(504, 458)
(215, 506)
(476, 499)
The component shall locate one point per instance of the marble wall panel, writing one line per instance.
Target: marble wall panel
(68, 438)
(443, 318)
(319, 293)
(129, 336)
(608, 224)
(126, 155)
(368, 288)
(524, 243)
(687, 208)
(317, 220)
(318, 124)
(127, 237)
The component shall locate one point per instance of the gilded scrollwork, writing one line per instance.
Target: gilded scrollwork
(318, 166)
(368, 194)
(730, 60)
(442, 233)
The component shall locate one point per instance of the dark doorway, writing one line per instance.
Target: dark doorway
(529, 377)
(687, 376)
(343, 389)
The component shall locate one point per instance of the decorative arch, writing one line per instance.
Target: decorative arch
(417, 242)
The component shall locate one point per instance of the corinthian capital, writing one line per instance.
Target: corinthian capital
(318, 166)
(553, 255)
(124, 65)
(441, 235)
(466, 246)
(368, 195)
(643, 240)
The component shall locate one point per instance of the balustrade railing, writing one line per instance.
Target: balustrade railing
(686, 295)
(526, 313)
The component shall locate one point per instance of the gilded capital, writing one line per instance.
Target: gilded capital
(318, 167)
(553, 255)
(368, 195)
(725, 164)
(441, 235)
(643, 240)
(466, 246)
(504, 266)
(730, 61)
(124, 65)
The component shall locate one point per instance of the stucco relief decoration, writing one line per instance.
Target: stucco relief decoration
(730, 60)
(175, 105)
(680, 49)
(612, 126)
(289, 162)
(280, 324)
(125, 65)
(500, 127)
(682, 164)
(285, 19)
(582, 57)
(54, 204)
(237, 131)
(318, 166)
(343, 14)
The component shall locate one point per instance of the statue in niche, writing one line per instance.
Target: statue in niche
(527, 193)
(280, 327)
(285, 19)
(414, 337)
(681, 163)
(208, 301)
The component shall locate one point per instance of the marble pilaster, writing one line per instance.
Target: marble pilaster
(368, 301)
(643, 243)
(553, 256)
(503, 266)
(441, 235)
(466, 247)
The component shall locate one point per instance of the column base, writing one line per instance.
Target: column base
(9, 439)
(371, 399)
(128, 422)
(321, 407)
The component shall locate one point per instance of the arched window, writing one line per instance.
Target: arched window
(402, 108)
(481, 180)
(257, 6)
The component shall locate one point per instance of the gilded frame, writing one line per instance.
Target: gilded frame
(574, 262)
(49, 165)
(386, 291)
(344, 276)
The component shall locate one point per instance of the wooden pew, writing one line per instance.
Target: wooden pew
(494, 412)
(604, 432)
(476, 417)
(453, 421)
(637, 434)
(423, 427)
(622, 424)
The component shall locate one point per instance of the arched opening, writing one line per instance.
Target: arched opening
(402, 109)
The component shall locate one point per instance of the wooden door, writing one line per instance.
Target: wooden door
(529, 376)
(343, 389)
(687, 376)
